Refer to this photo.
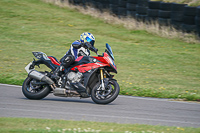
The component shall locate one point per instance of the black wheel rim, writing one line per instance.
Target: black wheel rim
(31, 88)
(105, 94)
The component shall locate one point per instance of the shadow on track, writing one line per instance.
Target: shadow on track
(69, 100)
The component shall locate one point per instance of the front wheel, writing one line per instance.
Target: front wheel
(106, 96)
(34, 92)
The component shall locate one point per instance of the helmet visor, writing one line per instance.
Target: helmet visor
(90, 40)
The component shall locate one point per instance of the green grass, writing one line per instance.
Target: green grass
(27, 125)
(148, 65)
(189, 2)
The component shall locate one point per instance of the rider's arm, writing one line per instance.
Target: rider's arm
(77, 44)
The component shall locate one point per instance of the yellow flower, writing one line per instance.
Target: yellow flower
(179, 128)
(130, 83)
(161, 88)
(70, 25)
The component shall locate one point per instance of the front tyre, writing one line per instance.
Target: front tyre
(34, 92)
(106, 96)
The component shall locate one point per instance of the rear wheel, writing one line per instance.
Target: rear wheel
(106, 96)
(34, 92)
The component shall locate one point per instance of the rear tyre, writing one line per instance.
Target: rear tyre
(106, 96)
(34, 92)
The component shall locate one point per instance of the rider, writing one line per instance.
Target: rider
(78, 48)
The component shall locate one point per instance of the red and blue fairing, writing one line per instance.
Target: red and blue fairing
(54, 60)
(86, 63)
(106, 59)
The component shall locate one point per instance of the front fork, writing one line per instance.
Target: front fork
(102, 77)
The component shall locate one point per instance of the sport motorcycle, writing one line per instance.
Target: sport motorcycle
(88, 76)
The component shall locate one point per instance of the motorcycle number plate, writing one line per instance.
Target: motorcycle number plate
(27, 67)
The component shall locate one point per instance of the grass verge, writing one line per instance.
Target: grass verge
(148, 65)
(189, 2)
(27, 125)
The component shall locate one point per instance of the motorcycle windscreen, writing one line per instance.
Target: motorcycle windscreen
(110, 51)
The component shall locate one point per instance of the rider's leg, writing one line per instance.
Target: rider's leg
(68, 61)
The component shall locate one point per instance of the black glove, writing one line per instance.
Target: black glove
(87, 45)
(94, 49)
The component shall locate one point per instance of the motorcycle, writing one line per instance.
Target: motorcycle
(88, 76)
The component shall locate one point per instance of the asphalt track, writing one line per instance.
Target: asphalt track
(125, 109)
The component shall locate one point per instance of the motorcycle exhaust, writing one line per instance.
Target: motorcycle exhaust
(39, 76)
(65, 93)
